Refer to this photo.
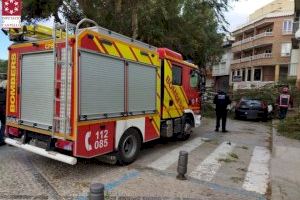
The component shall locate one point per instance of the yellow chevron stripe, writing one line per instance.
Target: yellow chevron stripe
(176, 105)
(154, 124)
(184, 95)
(125, 50)
(179, 90)
(141, 57)
(111, 50)
(98, 45)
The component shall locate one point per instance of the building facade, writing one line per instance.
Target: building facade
(262, 47)
(221, 70)
(295, 57)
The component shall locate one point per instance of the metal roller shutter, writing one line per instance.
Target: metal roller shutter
(101, 86)
(37, 89)
(141, 88)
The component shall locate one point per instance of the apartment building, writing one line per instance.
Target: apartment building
(221, 70)
(295, 55)
(262, 47)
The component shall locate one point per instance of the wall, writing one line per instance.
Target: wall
(268, 73)
(223, 68)
(295, 56)
(275, 6)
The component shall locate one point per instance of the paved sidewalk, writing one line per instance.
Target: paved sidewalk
(285, 168)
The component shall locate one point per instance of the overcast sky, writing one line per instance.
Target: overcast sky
(241, 10)
(236, 16)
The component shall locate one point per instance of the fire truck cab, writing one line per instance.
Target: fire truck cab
(96, 92)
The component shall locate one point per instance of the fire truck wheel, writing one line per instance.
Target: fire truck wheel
(187, 130)
(129, 147)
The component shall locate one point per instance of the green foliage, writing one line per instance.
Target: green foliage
(290, 127)
(191, 27)
(35, 10)
(3, 66)
(269, 93)
(208, 110)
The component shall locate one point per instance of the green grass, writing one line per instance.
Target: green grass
(208, 110)
(290, 127)
(236, 179)
(226, 160)
(233, 155)
(244, 147)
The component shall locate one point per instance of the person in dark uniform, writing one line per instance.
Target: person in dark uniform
(221, 100)
(2, 113)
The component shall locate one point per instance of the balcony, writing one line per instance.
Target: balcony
(264, 34)
(237, 43)
(246, 59)
(255, 60)
(256, 40)
(263, 55)
(236, 61)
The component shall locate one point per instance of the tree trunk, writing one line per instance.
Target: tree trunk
(134, 21)
(118, 7)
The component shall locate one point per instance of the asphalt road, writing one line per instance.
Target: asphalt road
(233, 165)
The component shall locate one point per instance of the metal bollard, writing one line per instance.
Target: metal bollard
(182, 165)
(96, 191)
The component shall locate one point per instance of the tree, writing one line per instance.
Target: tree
(3, 66)
(191, 27)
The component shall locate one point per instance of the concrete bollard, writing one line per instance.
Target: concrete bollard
(182, 165)
(96, 191)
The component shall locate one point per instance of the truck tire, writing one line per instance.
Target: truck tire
(187, 130)
(129, 147)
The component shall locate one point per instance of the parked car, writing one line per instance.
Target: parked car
(252, 109)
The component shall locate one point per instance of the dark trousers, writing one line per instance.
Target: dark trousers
(282, 113)
(221, 115)
(2, 119)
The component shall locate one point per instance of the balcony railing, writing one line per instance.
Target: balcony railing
(249, 39)
(236, 61)
(246, 59)
(254, 57)
(264, 34)
(263, 55)
(237, 43)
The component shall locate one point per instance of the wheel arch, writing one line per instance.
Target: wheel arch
(190, 114)
(137, 130)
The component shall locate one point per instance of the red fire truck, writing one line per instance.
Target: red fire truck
(92, 92)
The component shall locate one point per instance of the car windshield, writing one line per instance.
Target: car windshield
(252, 103)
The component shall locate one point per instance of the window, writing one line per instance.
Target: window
(177, 75)
(257, 74)
(268, 51)
(287, 26)
(238, 73)
(286, 49)
(244, 75)
(232, 75)
(249, 75)
(269, 30)
(194, 79)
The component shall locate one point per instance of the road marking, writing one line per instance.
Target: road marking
(209, 167)
(130, 175)
(168, 159)
(257, 177)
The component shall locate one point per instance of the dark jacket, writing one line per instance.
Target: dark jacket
(2, 103)
(221, 100)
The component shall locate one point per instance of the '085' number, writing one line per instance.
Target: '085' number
(102, 139)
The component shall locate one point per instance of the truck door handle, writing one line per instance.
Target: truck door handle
(171, 103)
